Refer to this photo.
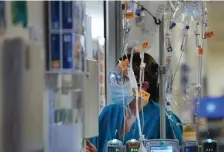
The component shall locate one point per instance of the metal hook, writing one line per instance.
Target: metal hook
(157, 21)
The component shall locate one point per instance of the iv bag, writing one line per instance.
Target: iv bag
(197, 11)
(178, 13)
(130, 9)
(188, 9)
(192, 91)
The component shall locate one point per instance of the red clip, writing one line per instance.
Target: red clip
(145, 85)
(123, 6)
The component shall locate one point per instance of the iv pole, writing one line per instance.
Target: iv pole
(162, 72)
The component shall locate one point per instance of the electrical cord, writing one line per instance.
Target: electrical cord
(156, 20)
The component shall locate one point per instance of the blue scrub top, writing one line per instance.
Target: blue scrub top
(111, 121)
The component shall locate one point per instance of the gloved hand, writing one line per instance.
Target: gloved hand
(90, 147)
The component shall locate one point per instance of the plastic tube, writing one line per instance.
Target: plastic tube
(204, 20)
(197, 34)
(185, 37)
(172, 6)
(141, 80)
(135, 87)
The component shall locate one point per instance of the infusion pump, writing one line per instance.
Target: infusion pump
(162, 145)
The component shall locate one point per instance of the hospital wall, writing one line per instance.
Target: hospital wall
(215, 62)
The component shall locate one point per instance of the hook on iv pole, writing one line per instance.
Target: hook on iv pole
(157, 21)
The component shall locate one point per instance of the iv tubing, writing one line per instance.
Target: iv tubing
(141, 80)
(135, 86)
(200, 59)
(124, 48)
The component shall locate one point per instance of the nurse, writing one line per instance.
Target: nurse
(118, 120)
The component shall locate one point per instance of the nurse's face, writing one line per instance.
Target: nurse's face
(132, 104)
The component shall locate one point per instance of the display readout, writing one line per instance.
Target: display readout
(132, 150)
(210, 147)
(133, 147)
(161, 149)
(114, 149)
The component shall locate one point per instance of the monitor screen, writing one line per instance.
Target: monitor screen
(211, 107)
(162, 149)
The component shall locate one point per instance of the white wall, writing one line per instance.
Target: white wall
(95, 10)
(215, 62)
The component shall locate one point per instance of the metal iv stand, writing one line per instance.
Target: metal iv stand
(162, 72)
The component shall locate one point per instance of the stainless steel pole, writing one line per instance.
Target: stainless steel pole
(162, 71)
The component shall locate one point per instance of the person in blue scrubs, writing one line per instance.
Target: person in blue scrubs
(112, 119)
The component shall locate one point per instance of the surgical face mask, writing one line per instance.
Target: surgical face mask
(121, 94)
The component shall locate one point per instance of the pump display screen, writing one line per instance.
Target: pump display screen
(114, 149)
(162, 149)
(132, 150)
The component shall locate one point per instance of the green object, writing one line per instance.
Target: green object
(19, 13)
(162, 143)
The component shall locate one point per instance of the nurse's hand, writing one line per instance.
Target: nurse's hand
(90, 147)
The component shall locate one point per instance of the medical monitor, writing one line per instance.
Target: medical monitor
(162, 145)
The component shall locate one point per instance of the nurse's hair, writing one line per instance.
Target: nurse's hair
(151, 72)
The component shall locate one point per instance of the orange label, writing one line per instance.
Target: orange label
(124, 64)
(129, 15)
(145, 45)
(143, 94)
(55, 64)
(200, 51)
(209, 34)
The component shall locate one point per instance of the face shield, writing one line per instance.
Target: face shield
(117, 78)
(120, 89)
